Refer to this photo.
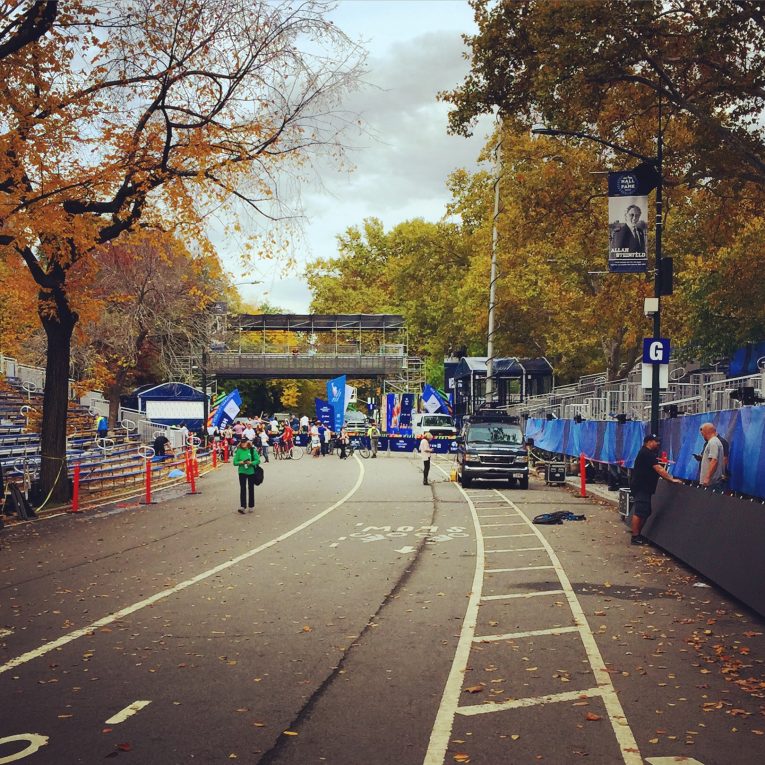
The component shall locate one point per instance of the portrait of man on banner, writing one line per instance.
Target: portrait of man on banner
(628, 232)
(628, 218)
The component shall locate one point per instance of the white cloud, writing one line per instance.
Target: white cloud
(403, 159)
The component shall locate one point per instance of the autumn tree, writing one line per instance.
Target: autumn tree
(151, 289)
(597, 65)
(136, 113)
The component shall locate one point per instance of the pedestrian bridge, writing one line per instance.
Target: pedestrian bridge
(313, 346)
(304, 365)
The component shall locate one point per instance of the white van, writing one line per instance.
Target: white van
(437, 424)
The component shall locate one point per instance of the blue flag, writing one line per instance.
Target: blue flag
(433, 401)
(227, 410)
(336, 399)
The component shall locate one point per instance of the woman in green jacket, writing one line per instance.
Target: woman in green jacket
(246, 458)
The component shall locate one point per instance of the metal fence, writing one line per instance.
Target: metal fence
(594, 398)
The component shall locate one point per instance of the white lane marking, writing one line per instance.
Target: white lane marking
(517, 549)
(530, 701)
(35, 742)
(619, 723)
(442, 727)
(128, 711)
(522, 595)
(501, 515)
(122, 613)
(497, 525)
(519, 568)
(4, 632)
(672, 761)
(508, 536)
(529, 633)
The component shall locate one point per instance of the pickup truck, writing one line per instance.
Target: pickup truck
(491, 445)
(437, 424)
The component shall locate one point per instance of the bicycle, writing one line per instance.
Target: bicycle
(358, 444)
(293, 453)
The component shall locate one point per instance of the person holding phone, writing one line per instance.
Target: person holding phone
(246, 459)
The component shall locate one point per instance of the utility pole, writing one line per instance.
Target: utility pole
(493, 275)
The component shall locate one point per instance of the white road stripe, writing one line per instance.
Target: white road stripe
(619, 723)
(522, 595)
(552, 698)
(157, 597)
(497, 525)
(517, 549)
(128, 711)
(519, 568)
(501, 515)
(530, 633)
(442, 727)
(509, 536)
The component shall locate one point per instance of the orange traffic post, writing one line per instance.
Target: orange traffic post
(215, 455)
(76, 490)
(225, 451)
(582, 475)
(192, 479)
(148, 500)
(187, 465)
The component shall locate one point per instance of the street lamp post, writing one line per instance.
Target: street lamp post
(656, 162)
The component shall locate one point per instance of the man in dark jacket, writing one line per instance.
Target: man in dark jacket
(645, 476)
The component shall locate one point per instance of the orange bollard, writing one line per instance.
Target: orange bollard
(76, 490)
(582, 475)
(187, 465)
(215, 456)
(225, 451)
(192, 481)
(148, 482)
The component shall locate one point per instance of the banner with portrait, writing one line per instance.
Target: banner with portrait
(628, 218)
(336, 395)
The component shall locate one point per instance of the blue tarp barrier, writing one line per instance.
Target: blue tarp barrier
(619, 443)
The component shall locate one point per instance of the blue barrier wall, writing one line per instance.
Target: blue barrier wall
(615, 442)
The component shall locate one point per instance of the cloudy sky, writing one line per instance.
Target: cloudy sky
(401, 164)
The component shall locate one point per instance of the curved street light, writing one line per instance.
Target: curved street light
(656, 162)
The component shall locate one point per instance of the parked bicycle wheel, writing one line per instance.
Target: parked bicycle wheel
(364, 451)
(296, 453)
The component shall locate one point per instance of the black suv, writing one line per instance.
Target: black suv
(491, 445)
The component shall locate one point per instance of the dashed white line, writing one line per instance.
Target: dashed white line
(518, 568)
(517, 549)
(522, 595)
(128, 711)
(508, 536)
(530, 701)
(528, 633)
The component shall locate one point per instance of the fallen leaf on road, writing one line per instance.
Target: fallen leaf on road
(592, 717)
(126, 747)
(461, 757)
(289, 733)
(515, 736)
(474, 689)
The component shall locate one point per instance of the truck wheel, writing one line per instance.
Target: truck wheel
(466, 481)
(523, 483)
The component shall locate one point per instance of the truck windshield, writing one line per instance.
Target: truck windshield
(437, 421)
(495, 434)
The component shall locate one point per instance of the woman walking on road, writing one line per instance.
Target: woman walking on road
(246, 458)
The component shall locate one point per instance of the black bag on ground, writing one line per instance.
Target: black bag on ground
(553, 519)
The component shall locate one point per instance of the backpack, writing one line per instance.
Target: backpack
(557, 518)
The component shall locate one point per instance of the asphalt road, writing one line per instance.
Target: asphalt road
(360, 617)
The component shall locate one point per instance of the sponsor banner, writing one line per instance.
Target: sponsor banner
(336, 396)
(393, 413)
(325, 412)
(405, 418)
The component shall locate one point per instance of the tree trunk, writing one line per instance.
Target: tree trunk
(58, 328)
